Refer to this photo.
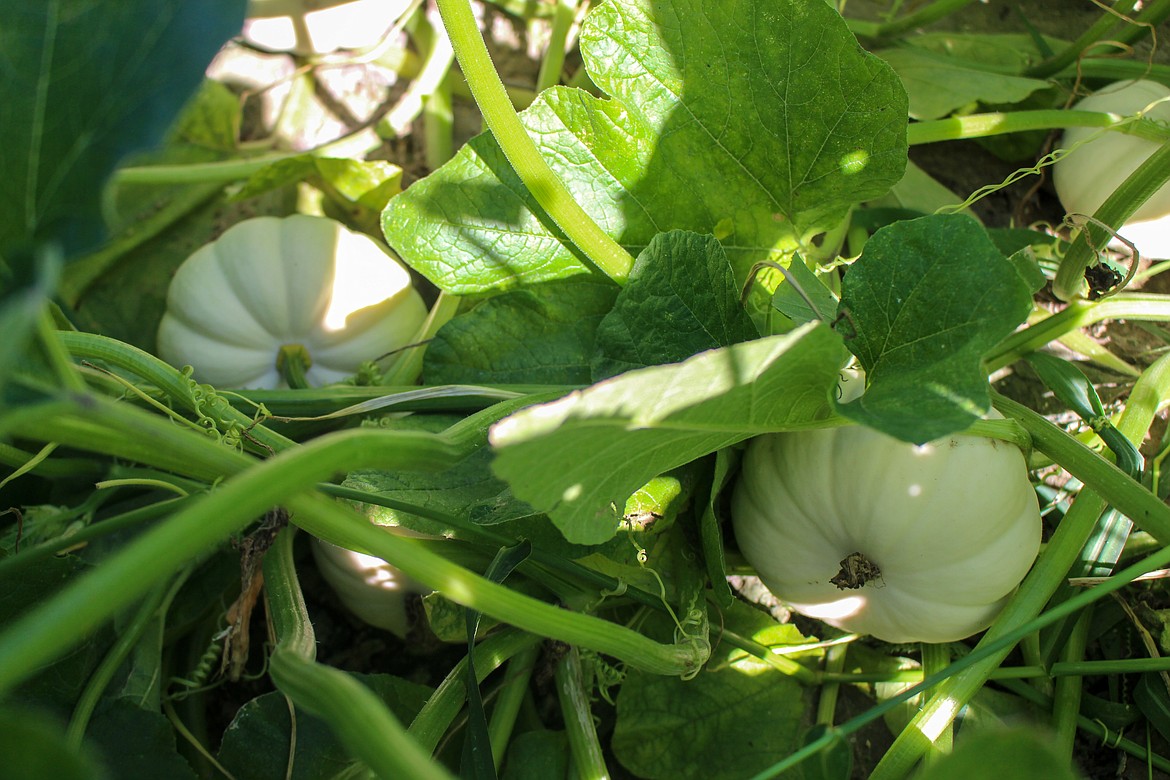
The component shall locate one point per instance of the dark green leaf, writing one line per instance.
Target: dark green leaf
(35, 748)
(744, 126)
(537, 755)
(919, 308)
(137, 744)
(581, 457)
(256, 744)
(681, 299)
(735, 718)
(542, 334)
(86, 82)
(1005, 754)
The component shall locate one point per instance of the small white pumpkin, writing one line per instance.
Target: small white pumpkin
(877, 536)
(270, 285)
(1090, 174)
(370, 588)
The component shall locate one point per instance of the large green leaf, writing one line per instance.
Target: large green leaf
(581, 457)
(84, 82)
(919, 308)
(735, 718)
(262, 742)
(543, 334)
(681, 299)
(758, 121)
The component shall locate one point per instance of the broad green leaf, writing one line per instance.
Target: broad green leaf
(735, 718)
(744, 122)
(543, 334)
(681, 299)
(939, 84)
(919, 308)
(84, 83)
(137, 744)
(1006, 753)
(256, 744)
(581, 457)
(34, 748)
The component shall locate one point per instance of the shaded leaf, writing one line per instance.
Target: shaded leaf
(137, 744)
(34, 748)
(938, 84)
(681, 299)
(256, 744)
(86, 82)
(543, 334)
(1015, 753)
(735, 718)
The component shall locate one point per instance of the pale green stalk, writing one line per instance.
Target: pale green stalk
(509, 699)
(548, 190)
(585, 752)
(1001, 123)
(437, 715)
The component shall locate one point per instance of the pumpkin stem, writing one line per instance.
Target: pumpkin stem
(856, 570)
(292, 361)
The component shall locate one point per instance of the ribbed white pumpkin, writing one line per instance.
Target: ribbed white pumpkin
(1085, 178)
(271, 282)
(370, 588)
(953, 526)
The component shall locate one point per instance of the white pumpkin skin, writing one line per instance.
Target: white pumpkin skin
(370, 588)
(953, 526)
(269, 282)
(1085, 178)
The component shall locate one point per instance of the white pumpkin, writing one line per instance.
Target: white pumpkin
(1090, 174)
(370, 588)
(877, 536)
(270, 284)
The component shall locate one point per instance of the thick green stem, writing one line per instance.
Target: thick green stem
(1078, 314)
(956, 128)
(548, 190)
(1131, 499)
(66, 619)
(584, 747)
(511, 696)
(1137, 188)
(359, 719)
(437, 715)
(1066, 705)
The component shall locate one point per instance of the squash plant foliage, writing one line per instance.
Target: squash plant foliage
(567, 436)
